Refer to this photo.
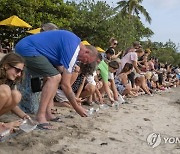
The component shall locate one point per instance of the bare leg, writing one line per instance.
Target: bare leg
(89, 90)
(48, 93)
(143, 85)
(7, 102)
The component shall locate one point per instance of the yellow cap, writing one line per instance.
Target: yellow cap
(85, 43)
(34, 31)
(100, 49)
(148, 50)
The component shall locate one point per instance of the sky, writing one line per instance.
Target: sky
(165, 16)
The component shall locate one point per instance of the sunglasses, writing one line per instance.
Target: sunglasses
(18, 70)
(114, 68)
(115, 43)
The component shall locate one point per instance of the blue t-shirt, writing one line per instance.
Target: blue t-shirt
(60, 47)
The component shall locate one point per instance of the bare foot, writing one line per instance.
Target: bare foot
(41, 119)
(50, 116)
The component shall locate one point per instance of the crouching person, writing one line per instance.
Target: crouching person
(78, 83)
(11, 73)
(106, 73)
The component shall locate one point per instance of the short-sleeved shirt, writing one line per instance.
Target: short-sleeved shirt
(90, 78)
(60, 47)
(103, 67)
(128, 58)
(110, 76)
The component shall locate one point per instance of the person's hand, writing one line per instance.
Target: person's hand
(26, 117)
(101, 100)
(79, 100)
(81, 111)
(116, 97)
(111, 99)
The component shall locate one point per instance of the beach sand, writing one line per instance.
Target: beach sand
(108, 131)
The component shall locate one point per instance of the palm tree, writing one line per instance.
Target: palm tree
(133, 7)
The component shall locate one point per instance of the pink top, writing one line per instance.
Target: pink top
(128, 58)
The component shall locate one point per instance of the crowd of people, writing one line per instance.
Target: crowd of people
(75, 74)
(6, 46)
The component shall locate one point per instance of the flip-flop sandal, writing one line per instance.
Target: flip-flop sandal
(45, 126)
(57, 119)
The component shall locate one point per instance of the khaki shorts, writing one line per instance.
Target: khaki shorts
(40, 66)
(60, 96)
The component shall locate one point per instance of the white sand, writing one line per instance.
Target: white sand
(108, 132)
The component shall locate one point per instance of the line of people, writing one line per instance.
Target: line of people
(75, 74)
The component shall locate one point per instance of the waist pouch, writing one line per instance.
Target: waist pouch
(36, 84)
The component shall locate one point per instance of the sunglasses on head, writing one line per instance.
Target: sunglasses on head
(18, 70)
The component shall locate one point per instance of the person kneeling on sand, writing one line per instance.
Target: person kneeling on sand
(122, 83)
(11, 73)
(78, 82)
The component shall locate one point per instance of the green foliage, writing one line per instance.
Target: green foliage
(97, 22)
(34, 12)
(91, 21)
(166, 53)
(94, 21)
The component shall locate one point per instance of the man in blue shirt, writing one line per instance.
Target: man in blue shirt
(52, 55)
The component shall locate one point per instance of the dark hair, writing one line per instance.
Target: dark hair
(129, 50)
(113, 64)
(136, 43)
(139, 50)
(87, 69)
(99, 56)
(127, 67)
(110, 51)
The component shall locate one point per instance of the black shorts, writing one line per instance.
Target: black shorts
(131, 78)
